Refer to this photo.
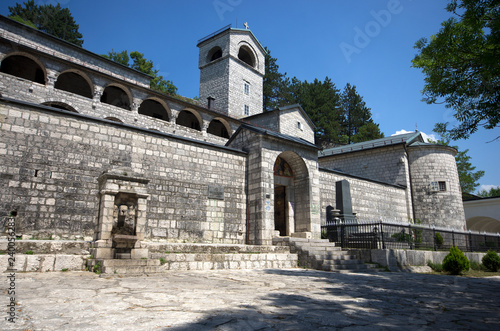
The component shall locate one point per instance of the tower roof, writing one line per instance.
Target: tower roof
(229, 28)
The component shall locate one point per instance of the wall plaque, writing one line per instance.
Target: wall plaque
(216, 192)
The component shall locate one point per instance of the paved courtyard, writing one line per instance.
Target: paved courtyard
(292, 299)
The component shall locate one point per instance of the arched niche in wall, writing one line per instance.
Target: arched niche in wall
(74, 82)
(23, 66)
(59, 105)
(153, 108)
(114, 119)
(188, 119)
(218, 127)
(246, 55)
(214, 54)
(116, 96)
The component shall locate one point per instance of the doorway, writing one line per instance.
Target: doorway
(280, 209)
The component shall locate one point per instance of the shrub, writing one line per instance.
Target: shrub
(437, 267)
(491, 261)
(476, 266)
(456, 262)
(438, 239)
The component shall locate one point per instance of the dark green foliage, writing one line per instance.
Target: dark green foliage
(401, 237)
(54, 20)
(157, 83)
(456, 262)
(461, 66)
(340, 118)
(491, 261)
(438, 239)
(493, 192)
(476, 266)
(357, 123)
(437, 267)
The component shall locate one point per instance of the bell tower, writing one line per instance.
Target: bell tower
(232, 68)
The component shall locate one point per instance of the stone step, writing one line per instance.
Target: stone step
(341, 256)
(336, 267)
(214, 248)
(341, 262)
(128, 262)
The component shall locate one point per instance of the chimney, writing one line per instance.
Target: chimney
(210, 102)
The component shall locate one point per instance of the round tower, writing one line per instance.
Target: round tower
(232, 68)
(437, 197)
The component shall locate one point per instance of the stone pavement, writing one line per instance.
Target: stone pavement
(289, 299)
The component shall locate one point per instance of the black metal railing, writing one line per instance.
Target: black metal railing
(388, 235)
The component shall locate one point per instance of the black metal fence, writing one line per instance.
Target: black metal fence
(387, 235)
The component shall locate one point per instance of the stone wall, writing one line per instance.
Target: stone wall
(370, 200)
(436, 163)
(289, 120)
(385, 164)
(51, 161)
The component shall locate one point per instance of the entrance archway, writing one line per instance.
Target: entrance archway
(291, 194)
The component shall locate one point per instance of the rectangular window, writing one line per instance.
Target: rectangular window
(247, 110)
(438, 186)
(247, 88)
(299, 126)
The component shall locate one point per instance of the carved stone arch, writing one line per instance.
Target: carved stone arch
(60, 105)
(75, 81)
(24, 65)
(292, 195)
(247, 54)
(219, 127)
(189, 118)
(214, 54)
(155, 107)
(112, 96)
(114, 119)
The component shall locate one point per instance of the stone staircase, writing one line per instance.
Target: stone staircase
(321, 254)
(176, 256)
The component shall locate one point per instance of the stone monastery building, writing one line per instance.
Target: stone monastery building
(89, 150)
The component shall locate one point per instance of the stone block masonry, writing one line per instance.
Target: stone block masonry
(51, 162)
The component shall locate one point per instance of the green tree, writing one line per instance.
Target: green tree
(461, 65)
(275, 84)
(321, 101)
(140, 63)
(493, 192)
(467, 176)
(119, 57)
(53, 20)
(357, 117)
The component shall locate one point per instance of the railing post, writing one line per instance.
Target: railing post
(485, 241)
(498, 241)
(341, 234)
(453, 237)
(434, 237)
(470, 241)
(382, 234)
(410, 237)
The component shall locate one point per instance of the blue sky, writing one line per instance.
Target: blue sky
(368, 43)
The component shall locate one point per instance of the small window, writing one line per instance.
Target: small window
(247, 88)
(247, 110)
(299, 126)
(438, 186)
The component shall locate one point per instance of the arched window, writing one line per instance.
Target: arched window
(214, 54)
(74, 83)
(23, 67)
(115, 96)
(218, 128)
(188, 119)
(245, 55)
(154, 109)
(59, 105)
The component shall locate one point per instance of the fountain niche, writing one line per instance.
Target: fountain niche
(122, 216)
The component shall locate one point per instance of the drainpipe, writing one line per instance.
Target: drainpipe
(411, 183)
